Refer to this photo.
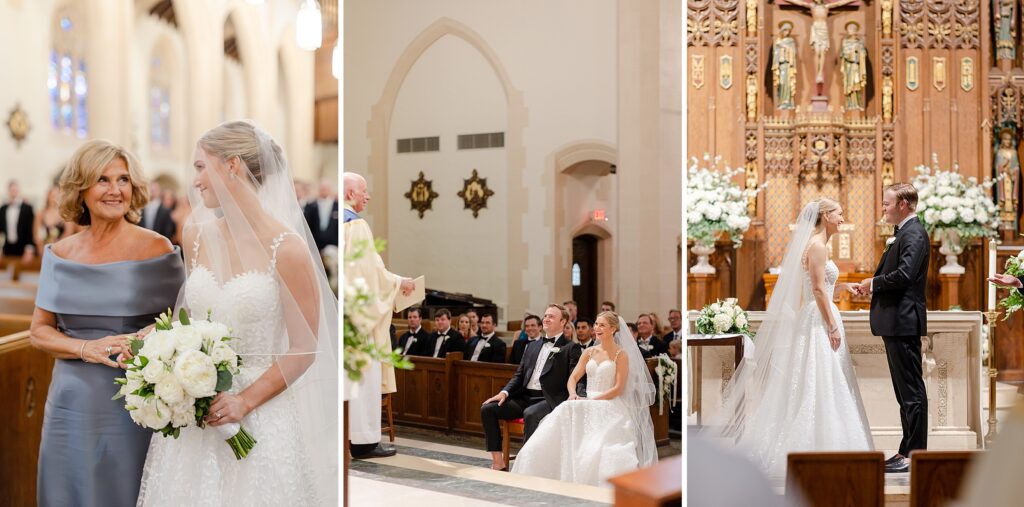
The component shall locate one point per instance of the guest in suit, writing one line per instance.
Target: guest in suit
(607, 306)
(675, 322)
(474, 322)
(585, 333)
(445, 339)
(537, 387)
(633, 329)
(413, 341)
(573, 311)
(532, 327)
(486, 346)
(649, 344)
(322, 216)
(16, 218)
(463, 327)
(97, 289)
(157, 217)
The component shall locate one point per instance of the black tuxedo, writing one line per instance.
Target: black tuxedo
(532, 406)
(899, 316)
(327, 236)
(518, 349)
(669, 336)
(657, 347)
(162, 222)
(589, 344)
(420, 341)
(454, 343)
(493, 352)
(23, 229)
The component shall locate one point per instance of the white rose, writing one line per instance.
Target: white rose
(158, 414)
(154, 371)
(713, 213)
(212, 331)
(221, 353)
(967, 215)
(948, 215)
(187, 338)
(722, 323)
(741, 321)
(158, 345)
(196, 373)
(931, 216)
(716, 307)
(169, 390)
(694, 217)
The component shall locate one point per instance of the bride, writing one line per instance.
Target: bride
(607, 433)
(798, 391)
(253, 265)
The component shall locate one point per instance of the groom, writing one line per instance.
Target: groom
(899, 316)
(538, 385)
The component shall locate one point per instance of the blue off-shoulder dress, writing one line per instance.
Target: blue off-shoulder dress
(91, 452)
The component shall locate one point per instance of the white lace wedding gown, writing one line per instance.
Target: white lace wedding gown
(583, 441)
(810, 401)
(198, 468)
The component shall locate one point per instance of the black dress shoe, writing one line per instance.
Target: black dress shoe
(894, 458)
(381, 451)
(900, 466)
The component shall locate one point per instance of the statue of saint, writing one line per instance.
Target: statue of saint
(1007, 169)
(819, 30)
(1004, 21)
(784, 67)
(853, 58)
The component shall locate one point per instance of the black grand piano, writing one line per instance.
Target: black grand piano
(455, 302)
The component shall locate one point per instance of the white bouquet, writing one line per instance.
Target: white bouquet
(715, 203)
(949, 202)
(667, 375)
(723, 317)
(176, 373)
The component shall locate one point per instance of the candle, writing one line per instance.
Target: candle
(991, 273)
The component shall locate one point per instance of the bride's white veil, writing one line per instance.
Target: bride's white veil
(638, 396)
(744, 395)
(246, 219)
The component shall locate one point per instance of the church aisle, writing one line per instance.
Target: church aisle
(439, 474)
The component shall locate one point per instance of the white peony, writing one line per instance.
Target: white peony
(222, 353)
(931, 216)
(187, 338)
(183, 413)
(157, 414)
(154, 371)
(169, 390)
(723, 322)
(948, 215)
(741, 320)
(158, 345)
(211, 331)
(196, 373)
(967, 215)
(713, 213)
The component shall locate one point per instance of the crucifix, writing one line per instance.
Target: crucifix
(819, 33)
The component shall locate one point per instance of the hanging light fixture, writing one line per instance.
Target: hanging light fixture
(309, 26)
(336, 62)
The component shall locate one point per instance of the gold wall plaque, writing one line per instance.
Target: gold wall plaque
(17, 124)
(913, 73)
(751, 98)
(475, 193)
(751, 16)
(421, 195)
(887, 93)
(697, 71)
(725, 71)
(939, 72)
(967, 74)
(888, 174)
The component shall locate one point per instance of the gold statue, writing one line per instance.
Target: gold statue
(784, 67)
(751, 98)
(886, 17)
(887, 99)
(853, 59)
(751, 18)
(1007, 169)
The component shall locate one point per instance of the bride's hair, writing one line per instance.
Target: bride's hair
(825, 206)
(610, 318)
(239, 139)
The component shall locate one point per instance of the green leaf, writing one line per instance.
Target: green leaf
(136, 346)
(183, 317)
(223, 381)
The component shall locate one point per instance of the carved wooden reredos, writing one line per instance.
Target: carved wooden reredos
(928, 68)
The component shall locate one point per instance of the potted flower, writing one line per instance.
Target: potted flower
(723, 317)
(715, 205)
(954, 210)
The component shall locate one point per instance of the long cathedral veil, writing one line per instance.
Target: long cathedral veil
(745, 394)
(246, 219)
(638, 396)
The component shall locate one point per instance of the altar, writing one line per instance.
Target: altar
(952, 368)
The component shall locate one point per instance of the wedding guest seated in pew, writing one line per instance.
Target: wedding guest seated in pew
(444, 339)
(585, 332)
(413, 341)
(650, 345)
(464, 326)
(531, 326)
(486, 346)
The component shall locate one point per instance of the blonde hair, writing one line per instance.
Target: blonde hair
(84, 170)
(238, 139)
(825, 206)
(611, 318)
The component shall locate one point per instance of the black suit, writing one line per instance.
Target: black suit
(657, 347)
(493, 352)
(529, 405)
(669, 337)
(23, 229)
(899, 316)
(327, 236)
(454, 343)
(420, 341)
(518, 349)
(162, 222)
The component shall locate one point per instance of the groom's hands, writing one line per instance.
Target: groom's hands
(863, 288)
(500, 398)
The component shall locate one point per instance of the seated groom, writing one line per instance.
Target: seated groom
(538, 385)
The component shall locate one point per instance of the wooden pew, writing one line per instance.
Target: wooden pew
(18, 289)
(936, 476)
(474, 382)
(655, 486)
(24, 379)
(19, 305)
(837, 478)
(13, 323)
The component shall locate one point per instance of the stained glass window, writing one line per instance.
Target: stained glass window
(159, 106)
(576, 275)
(66, 79)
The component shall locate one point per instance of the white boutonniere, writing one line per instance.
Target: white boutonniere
(487, 345)
(888, 243)
(554, 350)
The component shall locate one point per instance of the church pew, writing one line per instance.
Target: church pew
(473, 383)
(655, 486)
(836, 478)
(936, 476)
(18, 289)
(24, 382)
(28, 272)
(12, 323)
(20, 305)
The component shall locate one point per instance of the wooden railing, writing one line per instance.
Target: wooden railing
(24, 382)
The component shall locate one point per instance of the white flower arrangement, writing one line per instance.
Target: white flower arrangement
(715, 203)
(723, 317)
(667, 376)
(949, 202)
(176, 373)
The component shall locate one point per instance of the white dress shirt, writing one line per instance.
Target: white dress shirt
(437, 348)
(13, 214)
(324, 206)
(412, 339)
(150, 213)
(480, 346)
(542, 359)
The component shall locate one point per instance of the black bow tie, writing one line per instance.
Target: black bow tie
(549, 340)
(895, 230)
